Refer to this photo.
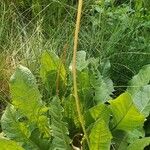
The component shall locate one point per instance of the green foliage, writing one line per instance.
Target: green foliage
(124, 111)
(27, 99)
(52, 72)
(97, 112)
(18, 131)
(117, 30)
(139, 80)
(81, 61)
(52, 123)
(142, 100)
(103, 88)
(100, 136)
(70, 112)
(51, 62)
(60, 132)
(8, 144)
(140, 90)
(139, 144)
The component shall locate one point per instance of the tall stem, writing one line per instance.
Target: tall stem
(81, 119)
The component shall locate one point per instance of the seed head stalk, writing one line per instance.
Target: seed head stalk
(77, 28)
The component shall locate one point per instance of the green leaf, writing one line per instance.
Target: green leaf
(142, 100)
(52, 72)
(51, 62)
(103, 88)
(85, 90)
(139, 144)
(139, 80)
(60, 132)
(27, 99)
(15, 129)
(6, 144)
(81, 61)
(100, 136)
(119, 141)
(125, 115)
(135, 134)
(101, 82)
(105, 68)
(42, 143)
(140, 90)
(99, 111)
(70, 112)
(83, 81)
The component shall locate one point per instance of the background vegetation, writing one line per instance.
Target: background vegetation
(117, 30)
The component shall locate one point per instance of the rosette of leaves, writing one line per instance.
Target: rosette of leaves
(117, 123)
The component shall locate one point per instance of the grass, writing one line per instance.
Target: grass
(23, 39)
(121, 35)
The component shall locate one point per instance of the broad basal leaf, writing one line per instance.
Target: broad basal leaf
(140, 90)
(81, 62)
(6, 144)
(119, 141)
(139, 144)
(100, 136)
(60, 132)
(15, 129)
(37, 139)
(27, 99)
(99, 111)
(70, 112)
(142, 100)
(122, 139)
(53, 73)
(125, 115)
(103, 87)
(85, 90)
(135, 134)
(51, 62)
(105, 68)
(139, 80)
